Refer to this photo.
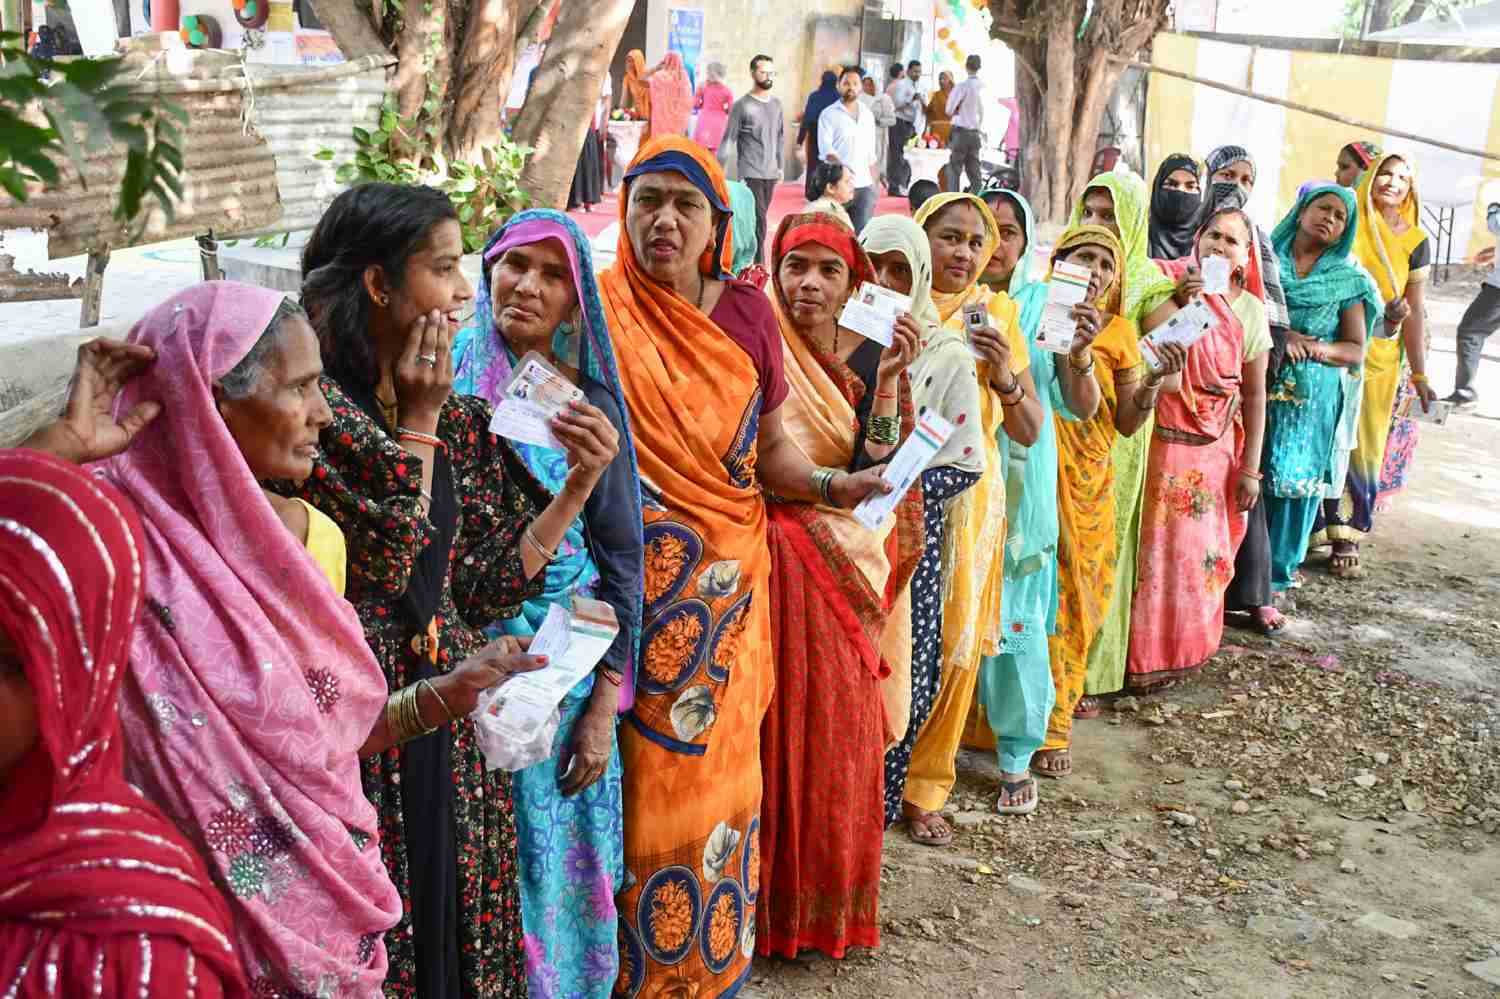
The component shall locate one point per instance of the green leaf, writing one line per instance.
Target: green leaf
(14, 182)
(346, 174)
(361, 136)
(325, 154)
(388, 122)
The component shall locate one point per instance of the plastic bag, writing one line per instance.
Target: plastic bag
(505, 738)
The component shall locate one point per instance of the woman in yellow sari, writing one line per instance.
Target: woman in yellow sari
(701, 367)
(962, 235)
(1393, 247)
(1087, 544)
(840, 614)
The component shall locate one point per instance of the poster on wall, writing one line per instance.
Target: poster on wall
(685, 37)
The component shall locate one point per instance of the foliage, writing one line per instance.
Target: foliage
(485, 194)
(87, 96)
(1400, 12)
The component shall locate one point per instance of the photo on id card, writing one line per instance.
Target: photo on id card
(537, 382)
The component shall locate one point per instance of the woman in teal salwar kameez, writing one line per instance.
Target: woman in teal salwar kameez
(1312, 408)
(568, 807)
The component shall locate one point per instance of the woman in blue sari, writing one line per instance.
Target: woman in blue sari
(1016, 692)
(1312, 407)
(538, 293)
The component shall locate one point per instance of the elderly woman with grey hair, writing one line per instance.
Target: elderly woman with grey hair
(712, 105)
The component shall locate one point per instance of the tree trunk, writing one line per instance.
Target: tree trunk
(531, 25)
(1415, 12)
(560, 108)
(352, 28)
(1382, 13)
(483, 73)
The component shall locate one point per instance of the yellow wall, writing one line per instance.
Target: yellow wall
(1310, 145)
(1489, 189)
(1169, 107)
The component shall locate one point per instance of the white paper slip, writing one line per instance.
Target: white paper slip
(535, 394)
(1186, 327)
(872, 312)
(1069, 286)
(573, 643)
(904, 468)
(1216, 276)
(1436, 413)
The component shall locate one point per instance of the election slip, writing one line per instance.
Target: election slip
(904, 468)
(1068, 286)
(574, 642)
(1216, 275)
(872, 312)
(535, 394)
(1186, 327)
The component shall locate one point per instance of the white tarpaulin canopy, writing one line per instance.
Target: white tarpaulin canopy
(1471, 27)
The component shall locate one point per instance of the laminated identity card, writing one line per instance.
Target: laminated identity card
(535, 394)
(905, 466)
(1437, 413)
(1186, 327)
(1068, 286)
(1216, 275)
(872, 312)
(573, 642)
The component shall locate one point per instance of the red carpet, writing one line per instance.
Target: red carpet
(789, 200)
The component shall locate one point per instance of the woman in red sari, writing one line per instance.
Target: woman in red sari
(99, 893)
(1203, 473)
(840, 617)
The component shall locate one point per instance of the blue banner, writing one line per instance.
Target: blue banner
(685, 37)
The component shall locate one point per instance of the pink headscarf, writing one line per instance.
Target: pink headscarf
(671, 97)
(251, 687)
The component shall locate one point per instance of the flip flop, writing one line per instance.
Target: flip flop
(1047, 754)
(1268, 621)
(1013, 789)
(922, 821)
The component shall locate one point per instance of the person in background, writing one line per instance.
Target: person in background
(1203, 473)
(1105, 160)
(1480, 319)
(919, 193)
(902, 90)
(834, 187)
(671, 97)
(1313, 403)
(1016, 691)
(635, 87)
(846, 134)
(1087, 500)
(840, 615)
(1119, 202)
(939, 121)
(100, 893)
(962, 235)
(712, 103)
(1176, 201)
(1249, 597)
(966, 108)
(702, 367)
(1392, 245)
(818, 101)
(1353, 160)
(446, 532)
(754, 137)
(538, 294)
(884, 110)
(588, 177)
(743, 236)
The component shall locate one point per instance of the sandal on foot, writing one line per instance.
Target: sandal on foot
(1062, 768)
(1088, 707)
(1013, 789)
(919, 829)
(1344, 562)
(1268, 621)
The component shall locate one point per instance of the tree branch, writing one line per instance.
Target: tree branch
(352, 27)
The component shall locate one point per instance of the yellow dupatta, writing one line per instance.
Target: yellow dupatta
(973, 563)
(1386, 255)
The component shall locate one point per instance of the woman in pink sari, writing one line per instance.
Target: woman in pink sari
(1203, 474)
(713, 104)
(671, 97)
(251, 692)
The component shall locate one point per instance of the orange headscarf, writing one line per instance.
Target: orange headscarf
(634, 84)
(671, 98)
(694, 397)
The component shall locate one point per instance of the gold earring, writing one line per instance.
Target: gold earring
(383, 300)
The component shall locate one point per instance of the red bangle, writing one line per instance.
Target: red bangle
(416, 437)
(1249, 473)
(885, 395)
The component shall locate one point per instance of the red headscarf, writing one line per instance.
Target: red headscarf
(94, 881)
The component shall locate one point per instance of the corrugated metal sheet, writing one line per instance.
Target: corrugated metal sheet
(248, 150)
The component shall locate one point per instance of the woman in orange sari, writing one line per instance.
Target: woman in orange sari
(840, 616)
(701, 366)
(635, 91)
(671, 97)
(1087, 547)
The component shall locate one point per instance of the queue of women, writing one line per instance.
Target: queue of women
(257, 575)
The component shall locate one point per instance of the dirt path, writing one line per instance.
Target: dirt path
(1315, 817)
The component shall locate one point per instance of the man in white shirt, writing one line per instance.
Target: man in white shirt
(902, 91)
(1481, 319)
(966, 108)
(846, 134)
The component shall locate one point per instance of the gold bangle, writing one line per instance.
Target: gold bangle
(432, 689)
(403, 715)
